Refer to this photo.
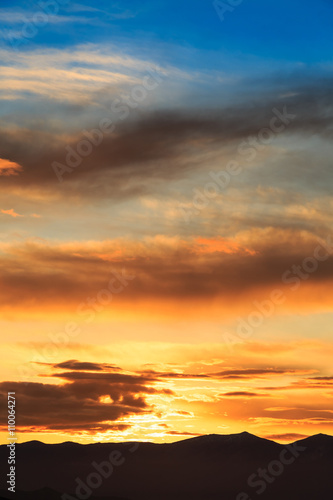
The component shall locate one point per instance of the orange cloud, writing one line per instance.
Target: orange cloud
(11, 212)
(223, 245)
(170, 274)
(9, 167)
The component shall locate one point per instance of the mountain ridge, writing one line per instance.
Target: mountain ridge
(208, 467)
(244, 434)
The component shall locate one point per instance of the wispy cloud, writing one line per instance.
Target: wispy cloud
(11, 212)
(15, 17)
(114, 12)
(76, 76)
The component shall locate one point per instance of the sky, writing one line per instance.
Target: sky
(166, 219)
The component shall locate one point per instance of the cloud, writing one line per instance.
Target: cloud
(8, 168)
(183, 433)
(234, 374)
(121, 14)
(309, 383)
(86, 401)
(85, 76)
(212, 245)
(92, 397)
(323, 378)
(150, 148)
(257, 373)
(21, 17)
(244, 394)
(11, 212)
(73, 364)
(172, 271)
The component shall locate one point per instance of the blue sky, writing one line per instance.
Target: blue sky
(298, 31)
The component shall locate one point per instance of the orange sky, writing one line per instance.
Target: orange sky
(173, 283)
(145, 340)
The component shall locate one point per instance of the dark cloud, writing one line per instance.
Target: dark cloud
(73, 364)
(185, 433)
(322, 378)
(159, 146)
(244, 394)
(112, 377)
(247, 373)
(76, 405)
(39, 274)
(176, 375)
(92, 397)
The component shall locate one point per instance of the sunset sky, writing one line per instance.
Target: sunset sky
(166, 242)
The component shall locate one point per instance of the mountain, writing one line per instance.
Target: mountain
(213, 467)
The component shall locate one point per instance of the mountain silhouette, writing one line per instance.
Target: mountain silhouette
(212, 467)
